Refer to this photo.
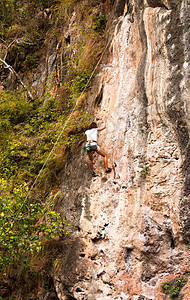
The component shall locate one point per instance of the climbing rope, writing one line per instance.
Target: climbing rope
(65, 124)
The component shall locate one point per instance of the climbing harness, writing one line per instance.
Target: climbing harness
(91, 146)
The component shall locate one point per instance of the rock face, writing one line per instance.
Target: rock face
(131, 227)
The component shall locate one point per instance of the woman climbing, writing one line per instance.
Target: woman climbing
(92, 146)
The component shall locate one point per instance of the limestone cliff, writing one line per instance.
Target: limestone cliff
(130, 228)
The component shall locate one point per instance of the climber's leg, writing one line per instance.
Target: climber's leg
(90, 155)
(102, 153)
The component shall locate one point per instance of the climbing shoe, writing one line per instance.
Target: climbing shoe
(93, 174)
(108, 170)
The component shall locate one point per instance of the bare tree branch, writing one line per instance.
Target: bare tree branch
(16, 74)
(3, 41)
(18, 41)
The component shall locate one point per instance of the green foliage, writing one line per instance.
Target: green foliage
(13, 110)
(13, 11)
(165, 286)
(62, 9)
(6, 12)
(173, 287)
(100, 24)
(24, 225)
(144, 172)
(178, 284)
(78, 83)
(31, 61)
(23, 28)
(23, 56)
(28, 132)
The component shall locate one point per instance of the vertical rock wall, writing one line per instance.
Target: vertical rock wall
(131, 227)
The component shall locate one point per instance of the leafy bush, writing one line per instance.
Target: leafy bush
(24, 225)
(177, 286)
(173, 287)
(78, 83)
(100, 24)
(165, 286)
(27, 134)
(13, 109)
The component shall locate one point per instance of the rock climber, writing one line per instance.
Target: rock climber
(91, 146)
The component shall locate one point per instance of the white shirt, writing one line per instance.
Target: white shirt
(91, 134)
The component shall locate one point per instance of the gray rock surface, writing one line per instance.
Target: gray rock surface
(133, 224)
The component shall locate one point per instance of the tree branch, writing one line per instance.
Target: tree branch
(16, 74)
(18, 41)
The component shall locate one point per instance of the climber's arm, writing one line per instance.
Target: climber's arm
(102, 128)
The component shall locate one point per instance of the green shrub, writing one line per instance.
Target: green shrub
(27, 134)
(165, 286)
(100, 24)
(177, 286)
(144, 172)
(24, 225)
(173, 287)
(78, 83)
(13, 109)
